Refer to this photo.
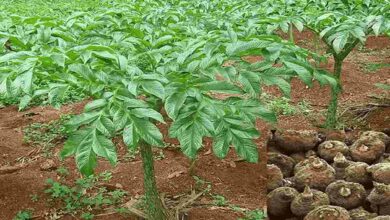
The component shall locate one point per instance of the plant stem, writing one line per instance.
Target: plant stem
(155, 208)
(331, 118)
(192, 167)
(291, 32)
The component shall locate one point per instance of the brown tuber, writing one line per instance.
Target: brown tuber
(348, 195)
(328, 212)
(379, 135)
(379, 198)
(361, 214)
(340, 163)
(279, 201)
(315, 173)
(382, 217)
(367, 149)
(307, 163)
(274, 177)
(380, 172)
(356, 172)
(284, 162)
(292, 141)
(307, 201)
(328, 149)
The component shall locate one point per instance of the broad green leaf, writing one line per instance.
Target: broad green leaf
(340, 42)
(174, 103)
(148, 131)
(191, 140)
(154, 88)
(95, 104)
(103, 147)
(24, 101)
(147, 113)
(303, 73)
(130, 137)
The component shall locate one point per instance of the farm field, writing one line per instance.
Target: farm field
(132, 109)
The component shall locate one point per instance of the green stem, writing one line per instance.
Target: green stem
(192, 167)
(155, 208)
(331, 118)
(291, 32)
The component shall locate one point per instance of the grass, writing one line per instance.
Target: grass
(373, 67)
(81, 198)
(283, 105)
(46, 135)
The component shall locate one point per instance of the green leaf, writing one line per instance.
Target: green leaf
(280, 82)
(148, 132)
(246, 149)
(340, 42)
(130, 137)
(173, 104)
(105, 126)
(303, 73)
(298, 24)
(85, 156)
(191, 140)
(154, 88)
(147, 113)
(219, 86)
(376, 27)
(221, 145)
(24, 101)
(95, 104)
(104, 147)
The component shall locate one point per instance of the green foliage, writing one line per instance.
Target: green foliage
(138, 59)
(383, 86)
(62, 171)
(372, 67)
(23, 215)
(86, 194)
(46, 135)
(219, 200)
(34, 197)
(132, 65)
(254, 215)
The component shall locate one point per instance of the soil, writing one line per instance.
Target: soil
(241, 183)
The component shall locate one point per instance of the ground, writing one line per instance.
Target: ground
(241, 183)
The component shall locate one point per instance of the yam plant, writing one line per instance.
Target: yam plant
(341, 25)
(138, 60)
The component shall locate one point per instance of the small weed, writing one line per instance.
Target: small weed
(282, 106)
(84, 195)
(62, 171)
(34, 198)
(159, 155)
(23, 215)
(373, 67)
(200, 184)
(254, 215)
(87, 216)
(219, 200)
(131, 154)
(46, 135)
(123, 211)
